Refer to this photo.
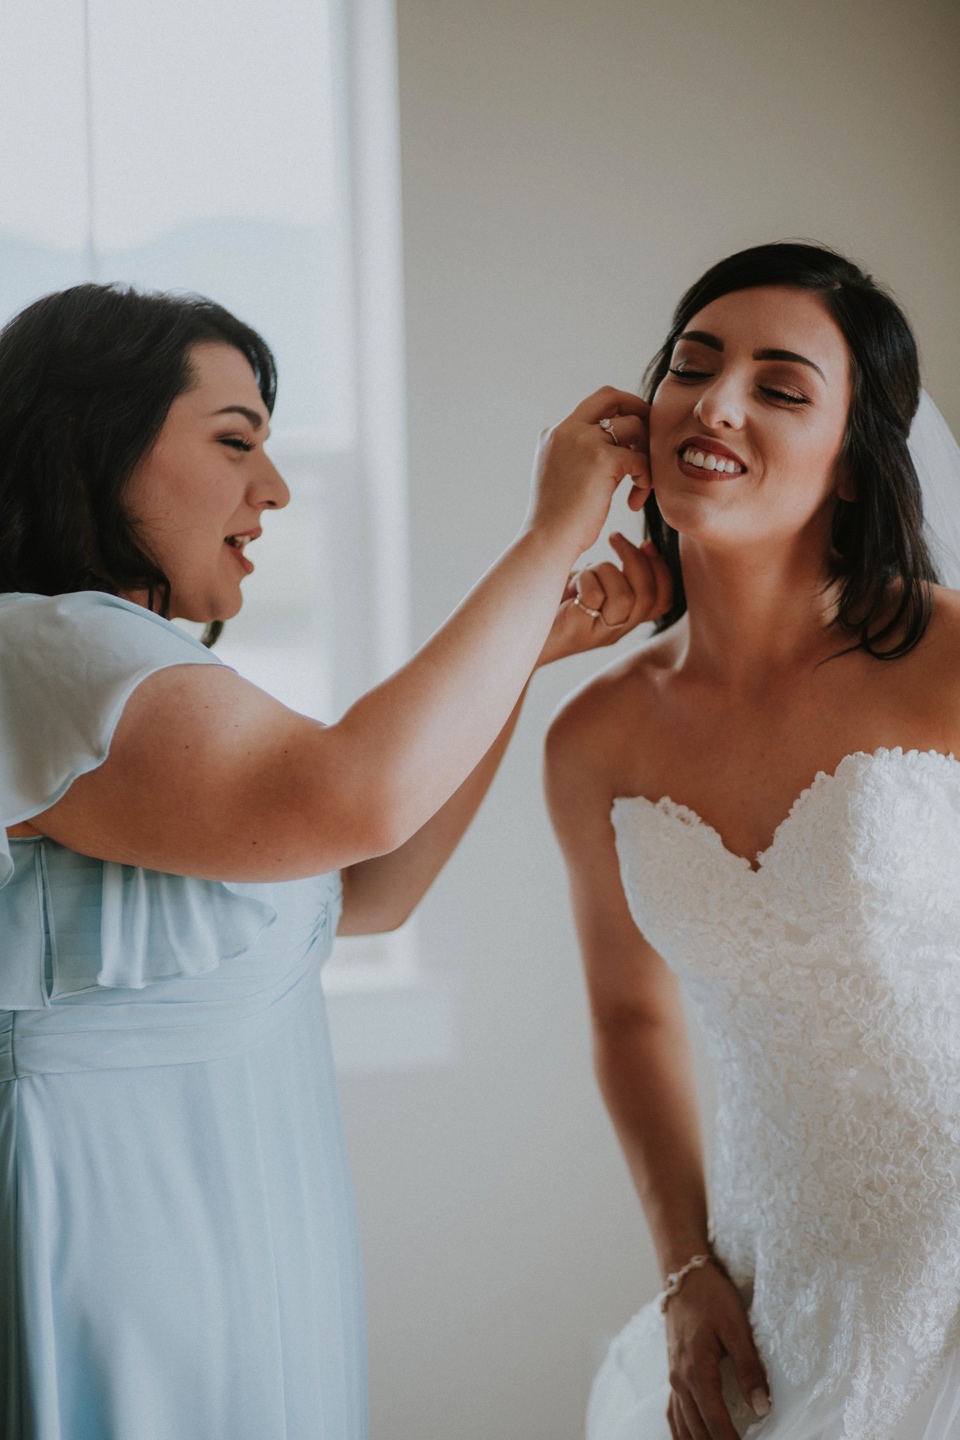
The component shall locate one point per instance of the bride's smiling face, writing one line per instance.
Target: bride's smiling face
(747, 425)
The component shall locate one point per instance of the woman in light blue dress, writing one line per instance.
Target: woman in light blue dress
(178, 1255)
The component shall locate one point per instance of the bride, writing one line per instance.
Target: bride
(760, 811)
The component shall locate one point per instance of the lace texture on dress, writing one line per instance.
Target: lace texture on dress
(827, 985)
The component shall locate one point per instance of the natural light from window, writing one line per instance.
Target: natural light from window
(248, 153)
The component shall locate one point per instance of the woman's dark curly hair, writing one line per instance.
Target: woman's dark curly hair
(879, 554)
(87, 376)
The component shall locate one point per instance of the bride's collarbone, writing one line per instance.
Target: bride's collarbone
(742, 773)
(740, 763)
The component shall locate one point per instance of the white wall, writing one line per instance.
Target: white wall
(569, 166)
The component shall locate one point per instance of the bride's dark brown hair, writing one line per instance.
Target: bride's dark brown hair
(880, 558)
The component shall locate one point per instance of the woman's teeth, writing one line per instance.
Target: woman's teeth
(710, 461)
(237, 541)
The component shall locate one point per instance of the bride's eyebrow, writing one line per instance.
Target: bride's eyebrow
(703, 337)
(788, 355)
(251, 415)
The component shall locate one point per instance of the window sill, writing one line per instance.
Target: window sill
(381, 1024)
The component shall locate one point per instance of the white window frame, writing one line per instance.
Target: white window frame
(385, 1013)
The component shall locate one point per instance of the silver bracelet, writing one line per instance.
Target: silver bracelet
(674, 1281)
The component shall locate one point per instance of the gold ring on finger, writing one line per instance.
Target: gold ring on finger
(608, 426)
(594, 614)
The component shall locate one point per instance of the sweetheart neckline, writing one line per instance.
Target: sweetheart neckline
(671, 808)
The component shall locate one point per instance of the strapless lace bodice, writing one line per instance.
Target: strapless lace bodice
(827, 985)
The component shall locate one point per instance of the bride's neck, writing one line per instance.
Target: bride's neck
(753, 615)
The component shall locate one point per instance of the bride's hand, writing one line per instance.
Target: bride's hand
(607, 601)
(706, 1322)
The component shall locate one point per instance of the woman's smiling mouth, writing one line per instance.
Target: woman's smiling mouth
(703, 459)
(237, 543)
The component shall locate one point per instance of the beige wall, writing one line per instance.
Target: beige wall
(568, 168)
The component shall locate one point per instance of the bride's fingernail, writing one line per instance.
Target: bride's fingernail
(760, 1403)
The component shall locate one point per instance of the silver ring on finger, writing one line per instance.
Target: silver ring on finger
(598, 615)
(607, 425)
(594, 614)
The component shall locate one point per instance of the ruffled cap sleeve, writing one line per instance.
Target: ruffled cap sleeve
(68, 665)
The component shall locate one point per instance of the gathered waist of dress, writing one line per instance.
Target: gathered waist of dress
(208, 1020)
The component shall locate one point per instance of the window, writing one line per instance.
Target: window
(250, 154)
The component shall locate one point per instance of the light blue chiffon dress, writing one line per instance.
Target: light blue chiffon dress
(178, 1251)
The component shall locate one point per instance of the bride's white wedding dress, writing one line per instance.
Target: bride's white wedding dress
(827, 984)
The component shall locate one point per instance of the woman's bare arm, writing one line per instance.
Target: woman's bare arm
(379, 894)
(645, 1070)
(641, 1049)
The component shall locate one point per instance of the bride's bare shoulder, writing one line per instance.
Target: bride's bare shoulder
(938, 655)
(617, 706)
(925, 682)
(946, 611)
(939, 651)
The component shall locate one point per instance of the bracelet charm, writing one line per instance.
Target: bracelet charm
(674, 1282)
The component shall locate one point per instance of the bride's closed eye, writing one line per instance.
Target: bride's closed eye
(685, 372)
(773, 392)
(786, 397)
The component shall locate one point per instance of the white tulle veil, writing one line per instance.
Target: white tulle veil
(936, 456)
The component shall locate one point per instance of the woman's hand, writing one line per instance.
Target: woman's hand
(604, 439)
(605, 602)
(706, 1322)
